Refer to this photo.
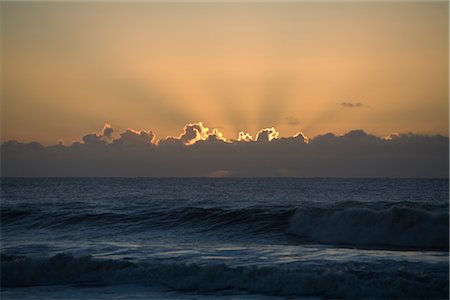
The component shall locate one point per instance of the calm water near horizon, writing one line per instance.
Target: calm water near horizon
(200, 238)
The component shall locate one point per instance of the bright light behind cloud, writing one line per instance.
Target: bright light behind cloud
(69, 67)
(200, 151)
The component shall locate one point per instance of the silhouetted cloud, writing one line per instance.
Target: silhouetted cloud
(301, 136)
(245, 137)
(195, 132)
(107, 131)
(266, 135)
(200, 151)
(135, 138)
(352, 105)
(216, 136)
(99, 137)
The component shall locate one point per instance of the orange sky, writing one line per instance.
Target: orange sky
(67, 68)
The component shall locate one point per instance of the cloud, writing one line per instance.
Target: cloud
(351, 104)
(216, 136)
(302, 137)
(245, 137)
(200, 151)
(392, 136)
(193, 133)
(99, 137)
(135, 138)
(107, 131)
(266, 135)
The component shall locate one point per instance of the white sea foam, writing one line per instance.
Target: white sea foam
(378, 279)
(388, 227)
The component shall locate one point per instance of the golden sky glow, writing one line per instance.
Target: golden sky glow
(67, 68)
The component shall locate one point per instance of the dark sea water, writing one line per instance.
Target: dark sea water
(135, 238)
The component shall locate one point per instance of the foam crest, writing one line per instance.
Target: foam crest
(330, 280)
(391, 226)
(380, 224)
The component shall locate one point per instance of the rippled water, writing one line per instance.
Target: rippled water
(224, 238)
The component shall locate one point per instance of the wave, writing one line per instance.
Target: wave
(393, 226)
(379, 279)
(257, 220)
(387, 225)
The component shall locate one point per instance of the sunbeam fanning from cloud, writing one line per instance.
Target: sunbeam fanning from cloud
(224, 149)
(245, 66)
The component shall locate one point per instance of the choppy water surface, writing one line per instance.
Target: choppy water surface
(224, 238)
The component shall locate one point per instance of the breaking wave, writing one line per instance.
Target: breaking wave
(379, 279)
(389, 225)
(394, 226)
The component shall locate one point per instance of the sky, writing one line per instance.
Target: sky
(310, 67)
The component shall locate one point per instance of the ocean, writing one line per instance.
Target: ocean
(206, 238)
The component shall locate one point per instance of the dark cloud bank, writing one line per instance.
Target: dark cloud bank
(199, 151)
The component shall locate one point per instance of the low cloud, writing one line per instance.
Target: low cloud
(266, 135)
(352, 104)
(107, 131)
(99, 137)
(194, 132)
(244, 137)
(216, 136)
(201, 151)
(301, 136)
(132, 137)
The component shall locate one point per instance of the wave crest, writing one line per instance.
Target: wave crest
(387, 225)
(396, 226)
(329, 280)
